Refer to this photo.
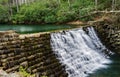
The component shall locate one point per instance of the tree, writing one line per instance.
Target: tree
(17, 5)
(96, 4)
(4, 12)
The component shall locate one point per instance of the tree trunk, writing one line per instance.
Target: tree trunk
(69, 3)
(10, 7)
(96, 4)
(59, 2)
(17, 5)
(113, 5)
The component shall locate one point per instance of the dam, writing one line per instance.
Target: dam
(70, 53)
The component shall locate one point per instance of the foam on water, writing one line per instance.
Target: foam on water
(80, 52)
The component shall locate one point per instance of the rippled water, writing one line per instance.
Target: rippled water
(113, 69)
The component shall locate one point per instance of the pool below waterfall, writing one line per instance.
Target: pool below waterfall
(112, 69)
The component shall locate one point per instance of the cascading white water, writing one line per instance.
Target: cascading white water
(80, 52)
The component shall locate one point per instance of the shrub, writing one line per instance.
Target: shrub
(4, 15)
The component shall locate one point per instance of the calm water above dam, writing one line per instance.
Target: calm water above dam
(23, 29)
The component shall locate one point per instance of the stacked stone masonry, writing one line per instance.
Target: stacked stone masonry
(31, 51)
(110, 36)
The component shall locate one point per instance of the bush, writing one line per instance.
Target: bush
(50, 19)
(52, 12)
(4, 16)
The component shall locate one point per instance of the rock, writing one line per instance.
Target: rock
(13, 75)
(4, 74)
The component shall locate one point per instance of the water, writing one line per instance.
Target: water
(23, 29)
(81, 53)
(113, 69)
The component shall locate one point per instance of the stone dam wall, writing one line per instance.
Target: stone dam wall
(33, 51)
(109, 33)
(30, 51)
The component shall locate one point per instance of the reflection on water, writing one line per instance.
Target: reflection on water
(33, 28)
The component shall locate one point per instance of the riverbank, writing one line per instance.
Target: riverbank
(85, 20)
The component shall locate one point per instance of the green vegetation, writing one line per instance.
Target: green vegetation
(4, 15)
(48, 11)
(44, 76)
(23, 72)
(52, 11)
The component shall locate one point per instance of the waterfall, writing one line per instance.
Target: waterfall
(80, 52)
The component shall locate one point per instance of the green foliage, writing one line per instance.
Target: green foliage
(51, 11)
(50, 19)
(44, 76)
(23, 72)
(3, 14)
